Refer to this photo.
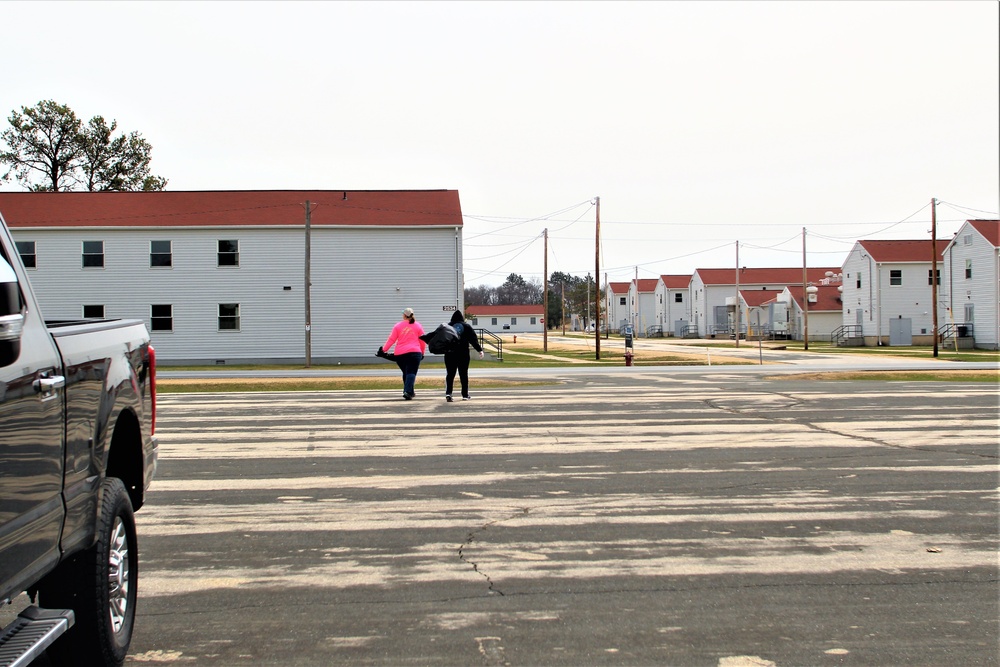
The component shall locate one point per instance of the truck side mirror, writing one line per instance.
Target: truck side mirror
(11, 317)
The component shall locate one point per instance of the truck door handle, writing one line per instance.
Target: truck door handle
(48, 385)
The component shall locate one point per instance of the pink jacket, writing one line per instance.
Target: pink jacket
(406, 337)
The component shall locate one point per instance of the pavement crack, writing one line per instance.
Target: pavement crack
(472, 536)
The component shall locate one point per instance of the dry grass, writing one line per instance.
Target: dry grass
(897, 376)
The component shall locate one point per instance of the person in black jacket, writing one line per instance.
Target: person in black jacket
(457, 357)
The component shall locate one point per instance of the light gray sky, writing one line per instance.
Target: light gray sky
(698, 124)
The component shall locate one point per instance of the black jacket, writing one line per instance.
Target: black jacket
(467, 338)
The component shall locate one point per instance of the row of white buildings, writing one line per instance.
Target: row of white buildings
(225, 277)
(881, 295)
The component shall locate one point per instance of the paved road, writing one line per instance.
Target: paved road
(711, 519)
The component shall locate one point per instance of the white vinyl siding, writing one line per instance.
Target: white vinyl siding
(889, 291)
(970, 251)
(362, 278)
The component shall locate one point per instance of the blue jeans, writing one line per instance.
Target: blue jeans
(408, 364)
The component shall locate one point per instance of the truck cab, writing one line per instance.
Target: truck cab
(77, 453)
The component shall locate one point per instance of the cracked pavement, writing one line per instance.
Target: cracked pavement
(654, 519)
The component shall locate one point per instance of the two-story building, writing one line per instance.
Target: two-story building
(673, 308)
(618, 308)
(227, 277)
(642, 297)
(972, 282)
(888, 291)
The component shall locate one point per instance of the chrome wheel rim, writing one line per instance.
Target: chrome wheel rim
(119, 576)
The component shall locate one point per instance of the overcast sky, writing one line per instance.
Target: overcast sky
(698, 124)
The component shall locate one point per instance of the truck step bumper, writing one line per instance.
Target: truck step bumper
(31, 633)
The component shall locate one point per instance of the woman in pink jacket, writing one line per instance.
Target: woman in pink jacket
(409, 350)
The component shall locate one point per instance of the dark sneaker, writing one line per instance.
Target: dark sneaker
(466, 398)
(447, 397)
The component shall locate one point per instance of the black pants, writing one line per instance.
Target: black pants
(409, 364)
(456, 362)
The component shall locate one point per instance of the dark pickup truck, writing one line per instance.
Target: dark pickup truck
(77, 453)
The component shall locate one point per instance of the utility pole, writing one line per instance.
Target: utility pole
(597, 286)
(934, 276)
(308, 284)
(737, 336)
(805, 295)
(545, 293)
(635, 315)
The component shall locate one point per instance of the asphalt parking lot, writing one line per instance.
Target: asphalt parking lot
(707, 518)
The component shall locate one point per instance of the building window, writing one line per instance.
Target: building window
(968, 269)
(161, 317)
(679, 297)
(93, 254)
(513, 320)
(621, 301)
(968, 239)
(534, 320)
(26, 249)
(895, 276)
(93, 312)
(930, 277)
(493, 321)
(475, 321)
(858, 284)
(161, 253)
(229, 253)
(229, 317)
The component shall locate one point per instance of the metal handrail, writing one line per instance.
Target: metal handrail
(956, 329)
(845, 331)
(490, 339)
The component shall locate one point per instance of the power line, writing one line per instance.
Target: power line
(956, 207)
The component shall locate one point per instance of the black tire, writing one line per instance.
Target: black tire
(100, 586)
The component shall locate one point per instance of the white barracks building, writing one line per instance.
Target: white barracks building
(220, 277)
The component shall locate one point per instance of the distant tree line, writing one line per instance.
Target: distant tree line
(49, 149)
(579, 293)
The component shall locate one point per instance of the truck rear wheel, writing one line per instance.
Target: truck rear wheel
(99, 584)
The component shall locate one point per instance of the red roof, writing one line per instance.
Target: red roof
(777, 277)
(676, 281)
(647, 284)
(619, 288)
(757, 297)
(903, 251)
(827, 298)
(990, 229)
(505, 311)
(390, 208)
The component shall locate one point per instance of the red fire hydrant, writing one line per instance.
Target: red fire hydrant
(628, 357)
(515, 339)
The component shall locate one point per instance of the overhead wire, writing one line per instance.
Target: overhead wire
(957, 207)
